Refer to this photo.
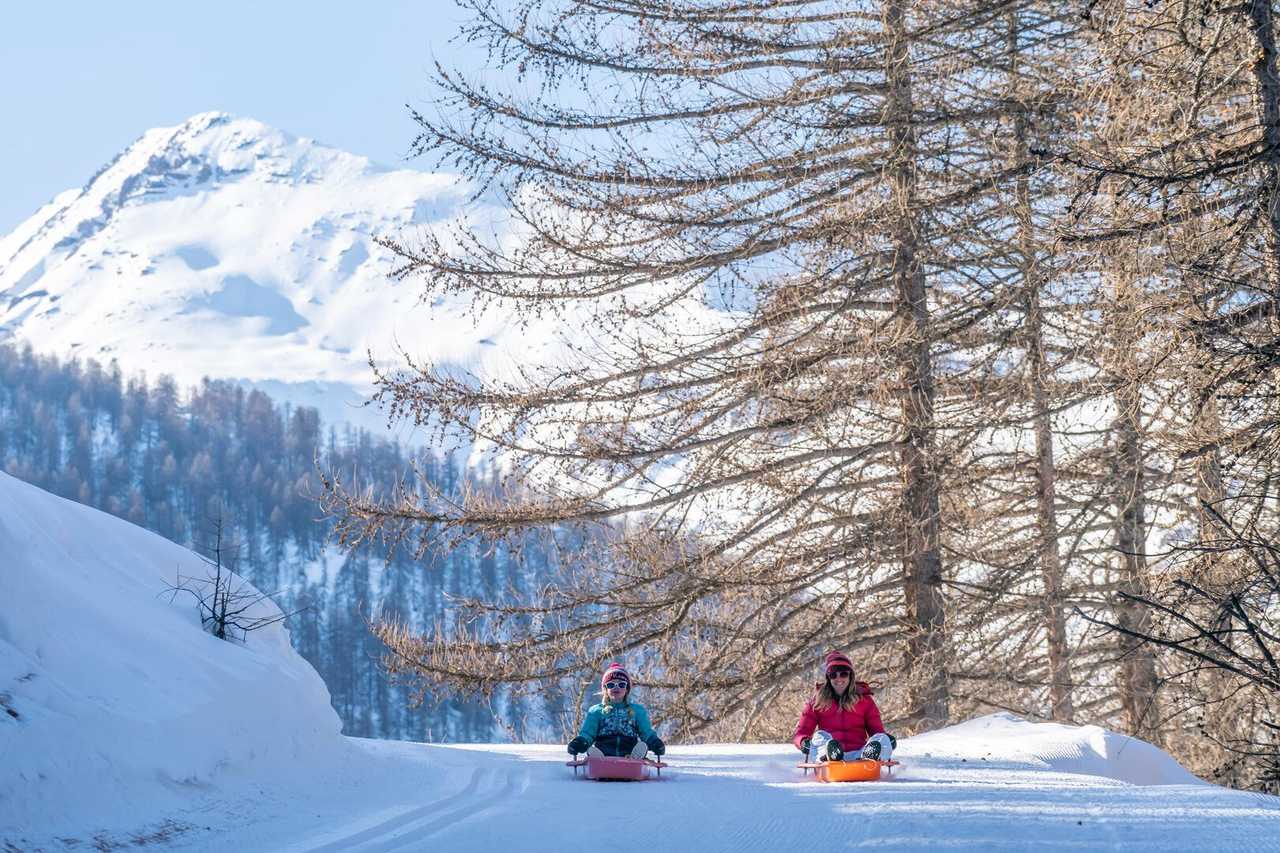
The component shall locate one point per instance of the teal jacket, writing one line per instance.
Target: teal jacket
(629, 718)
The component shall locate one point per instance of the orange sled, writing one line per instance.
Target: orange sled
(610, 769)
(862, 770)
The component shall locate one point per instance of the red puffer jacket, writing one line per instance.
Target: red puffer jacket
(852, 728)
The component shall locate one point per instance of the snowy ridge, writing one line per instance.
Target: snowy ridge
(227, 248)
(207, 149)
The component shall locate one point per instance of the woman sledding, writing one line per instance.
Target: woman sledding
(841, 721)
(616, 726)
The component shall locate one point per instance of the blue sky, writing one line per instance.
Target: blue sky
(84, 79)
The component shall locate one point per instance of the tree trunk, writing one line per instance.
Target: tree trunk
(1138, 681)
(1207, 433)
(1055, 622)
(1262, 23)
(922, 557)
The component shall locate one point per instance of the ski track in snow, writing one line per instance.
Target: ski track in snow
(714, 800)
(390, 832)
(486, 790)
(401, 797)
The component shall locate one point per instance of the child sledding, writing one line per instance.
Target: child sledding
(840, 731)
(616, 736)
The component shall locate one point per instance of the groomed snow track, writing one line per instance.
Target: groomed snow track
(730, 799)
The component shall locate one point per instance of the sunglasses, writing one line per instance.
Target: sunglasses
(839, 672)
(616, 685)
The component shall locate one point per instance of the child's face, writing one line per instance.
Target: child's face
(617, 689)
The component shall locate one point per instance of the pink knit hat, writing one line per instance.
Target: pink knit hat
(612, 672)
(834, 660)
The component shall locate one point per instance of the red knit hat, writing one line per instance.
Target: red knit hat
(613, 671)
(836, 659)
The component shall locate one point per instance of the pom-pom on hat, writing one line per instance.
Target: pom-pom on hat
(612, 672)
(835, 660)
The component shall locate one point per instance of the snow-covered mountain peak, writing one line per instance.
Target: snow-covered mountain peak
(215, 146)
(194, 157)
(228, 248)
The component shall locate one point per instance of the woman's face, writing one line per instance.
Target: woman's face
(840, 679)
(617, 688)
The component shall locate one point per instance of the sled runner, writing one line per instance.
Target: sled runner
(608, 768)
(862, 770)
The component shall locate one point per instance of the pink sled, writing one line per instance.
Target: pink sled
(608, 768)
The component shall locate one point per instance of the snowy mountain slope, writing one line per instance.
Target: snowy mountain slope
(113, 693)
(227, 248)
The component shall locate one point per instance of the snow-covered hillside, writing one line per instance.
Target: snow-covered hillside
(226, 248)
(117, 704)
(126, 726)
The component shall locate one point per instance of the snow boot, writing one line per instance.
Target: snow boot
(880, 747)
(639, 750)
(594, 752)
(833, 752)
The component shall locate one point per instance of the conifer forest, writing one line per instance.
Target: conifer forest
(179, 462)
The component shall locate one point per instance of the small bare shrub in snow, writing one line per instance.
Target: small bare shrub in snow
(229, 607)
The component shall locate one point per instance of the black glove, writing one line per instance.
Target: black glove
(893, 741)
(656, 745)
(578, 744)
(804, 745)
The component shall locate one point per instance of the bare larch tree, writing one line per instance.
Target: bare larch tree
(758, 219)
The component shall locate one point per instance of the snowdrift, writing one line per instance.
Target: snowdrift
(1009, 741)
(113, 696)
